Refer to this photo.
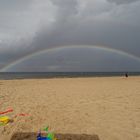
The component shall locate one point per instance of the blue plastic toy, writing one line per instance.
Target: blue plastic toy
(39, 137)
(50, 136)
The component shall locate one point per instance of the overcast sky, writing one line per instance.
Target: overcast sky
(29, 26)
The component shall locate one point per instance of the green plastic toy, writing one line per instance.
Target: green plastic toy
(50, 136)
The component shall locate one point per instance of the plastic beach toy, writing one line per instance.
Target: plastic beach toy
(39, 137)
(50, 136)
(4, 119)
(7, 111)
(22, 114)
(46, 129)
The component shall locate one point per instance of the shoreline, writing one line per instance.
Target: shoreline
(55, 75)
(75, 77)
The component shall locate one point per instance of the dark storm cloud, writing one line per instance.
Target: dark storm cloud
(108, 27)
(122, 1)
(70, 22)
(78, 59)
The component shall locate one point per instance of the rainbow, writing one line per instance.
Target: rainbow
(103, 48)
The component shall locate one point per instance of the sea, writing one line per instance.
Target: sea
(46, 75)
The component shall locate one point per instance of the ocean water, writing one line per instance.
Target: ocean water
(45, 75)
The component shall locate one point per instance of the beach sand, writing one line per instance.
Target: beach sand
(108, 107)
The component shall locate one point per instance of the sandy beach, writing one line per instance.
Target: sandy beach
(108, 107)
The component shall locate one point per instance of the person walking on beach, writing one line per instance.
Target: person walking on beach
(126, 74)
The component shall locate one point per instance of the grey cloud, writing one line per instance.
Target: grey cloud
(112, 30)
(107, 25)
(122, 1)
(21, 19)
(65, 10)
(14, 5)
(78, 60)
(11, 14)
(66, 6)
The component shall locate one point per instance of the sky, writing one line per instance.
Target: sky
(69, 35)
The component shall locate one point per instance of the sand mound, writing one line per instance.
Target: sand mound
(32, 136)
